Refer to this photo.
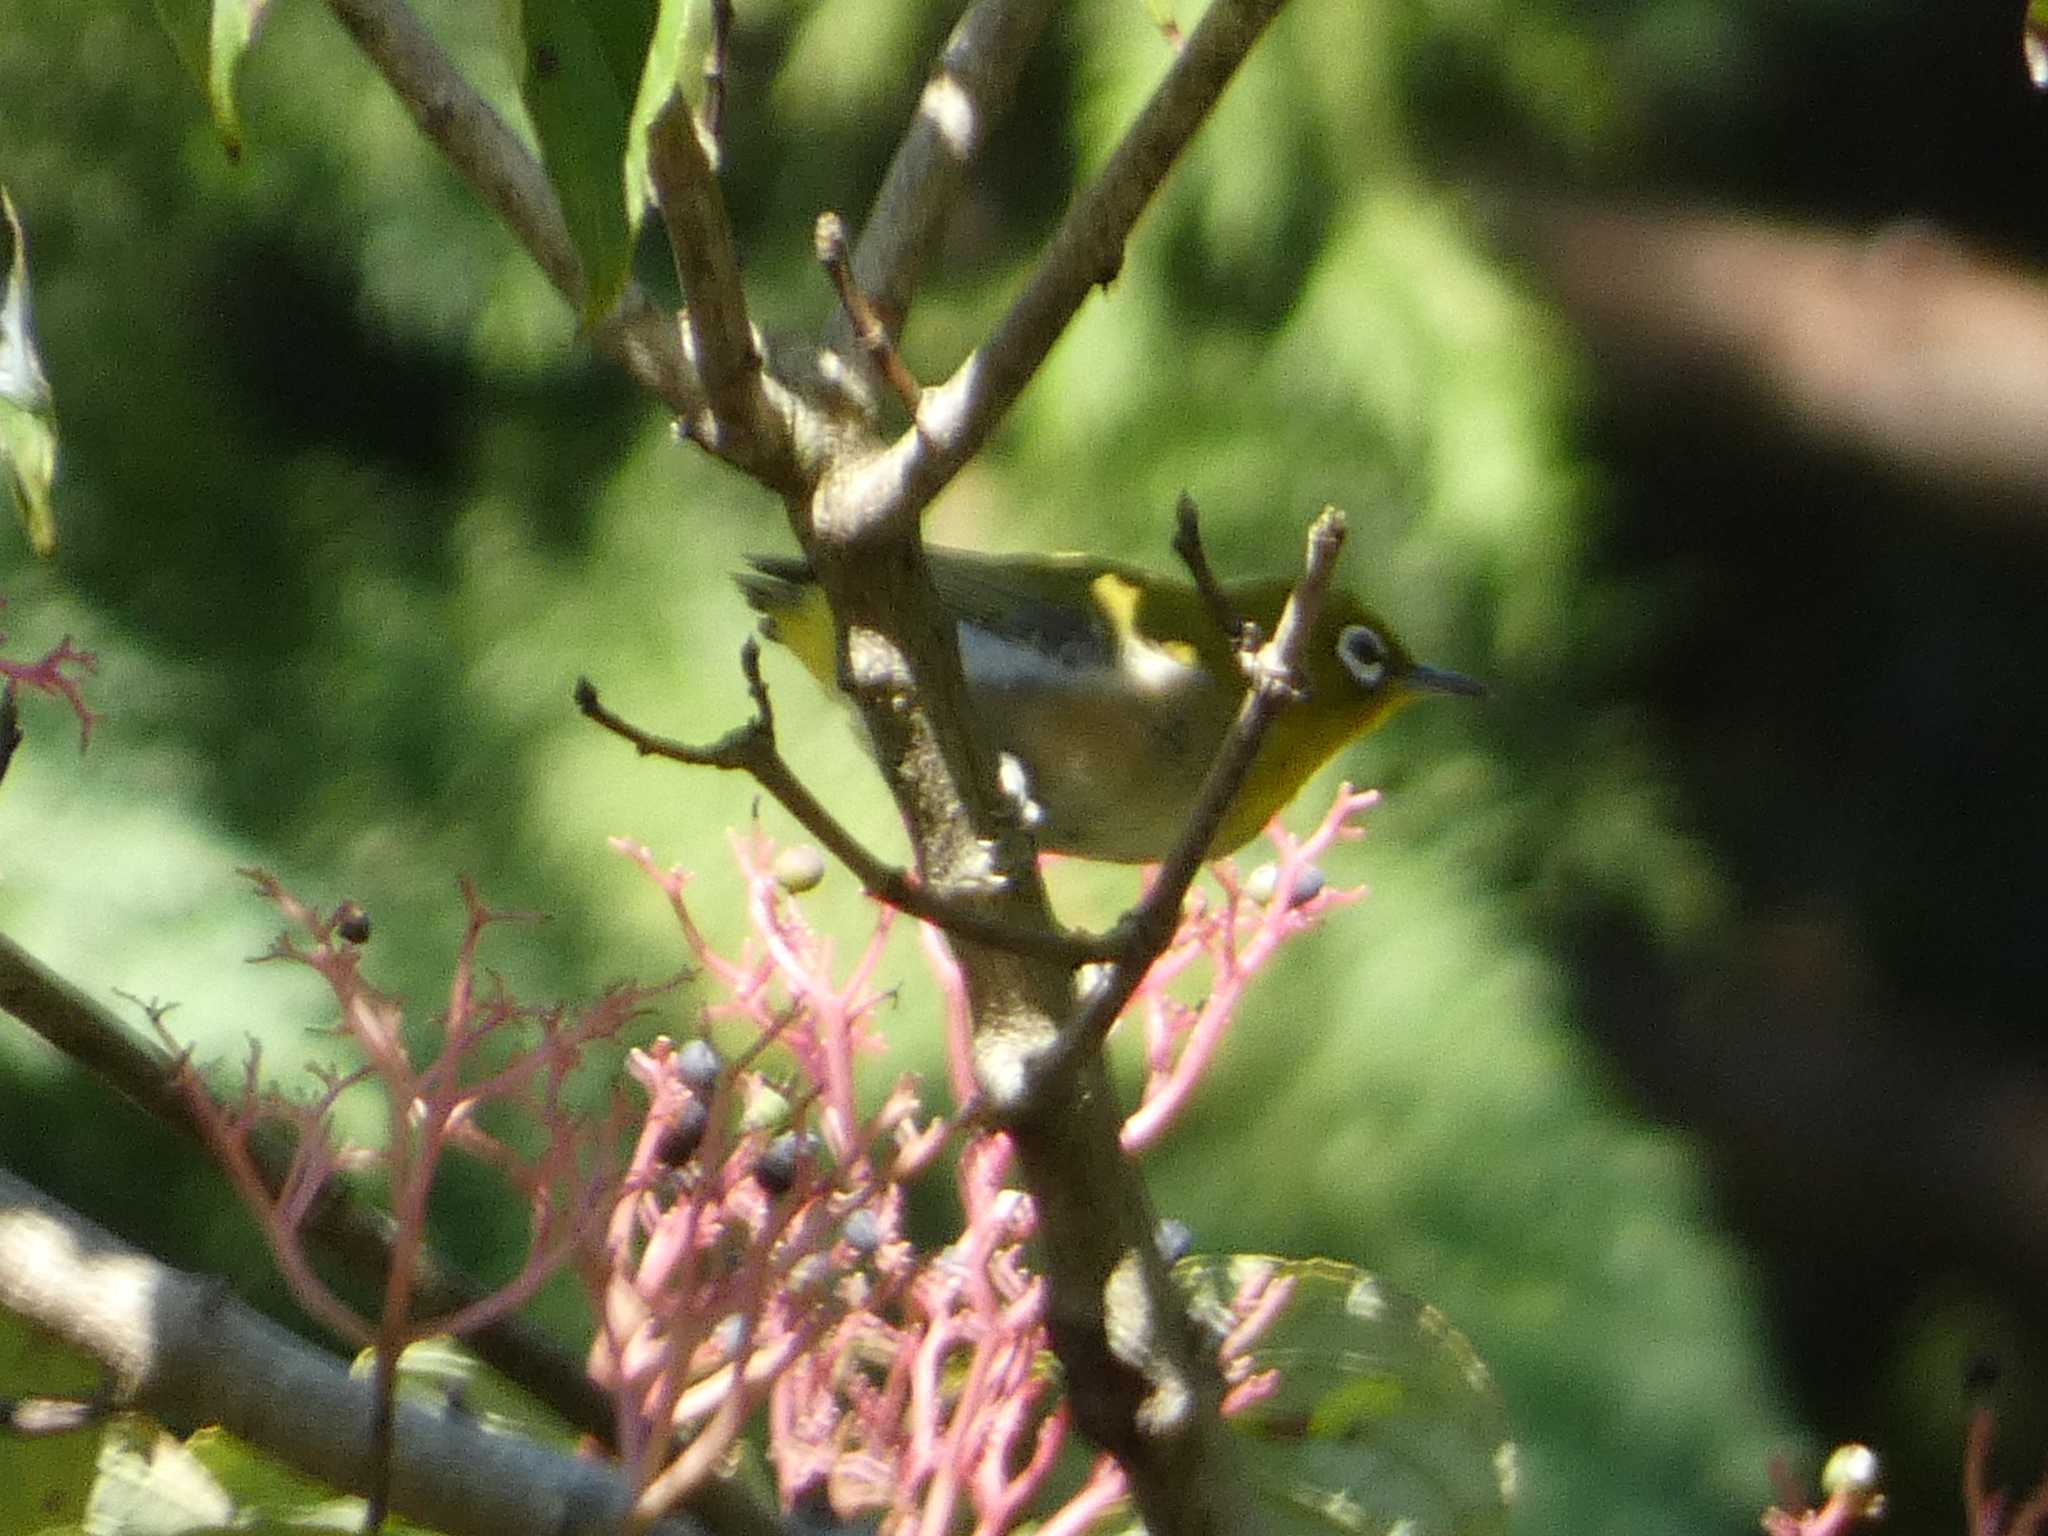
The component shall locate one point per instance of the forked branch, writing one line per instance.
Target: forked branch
(1086, 251)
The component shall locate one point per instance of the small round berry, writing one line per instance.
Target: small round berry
(698, 1064)
(799, 868)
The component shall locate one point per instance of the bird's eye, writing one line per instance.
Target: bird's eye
(1364, 655)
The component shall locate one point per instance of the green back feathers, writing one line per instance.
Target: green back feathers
(1113, 687)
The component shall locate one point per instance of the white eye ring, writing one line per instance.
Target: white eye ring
(1364, 655)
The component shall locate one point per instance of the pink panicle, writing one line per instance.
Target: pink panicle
(757, 1238)
(56, 672)
(432, 1106)
(751, 1256)
(756, 1253)
(750, 1260)
(1226, 943)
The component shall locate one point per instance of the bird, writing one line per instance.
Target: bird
(1108, 689)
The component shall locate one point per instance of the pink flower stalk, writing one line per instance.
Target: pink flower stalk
(1990, 1511)
(56, 672)
(432, 1108)
(742, 1237)
(751, 1256)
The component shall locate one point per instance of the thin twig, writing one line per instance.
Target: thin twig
(973, 84)
(1240, 631)
(716, 58)
(1086, 251)
(869, 329)
(1148, 927)
(751, 749)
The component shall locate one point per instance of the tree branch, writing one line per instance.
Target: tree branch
(751, 749)
(1273, 669)
(738, 424)
(976, 78)
(180, 1348)
(955, 418)
(1906, 346)
(1139, 1381)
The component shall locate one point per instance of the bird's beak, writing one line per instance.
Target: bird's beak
(1443, 680)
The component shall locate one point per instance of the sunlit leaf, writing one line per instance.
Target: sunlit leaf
(28, 414)
(667, 68)
(2034, 43)
(211, 38)
(440, 1374)
(1362, 1408)
(149, 1484)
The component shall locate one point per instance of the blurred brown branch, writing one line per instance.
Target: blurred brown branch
(1904, 345)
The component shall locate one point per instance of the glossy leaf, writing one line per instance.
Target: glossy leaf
(1362, 1408)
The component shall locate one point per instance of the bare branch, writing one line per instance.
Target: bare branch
(1148, 927)
(716, 57)
(751, 749)
(1187, 543)
(737, 423)
(349, 1232)
(976, 77)
(1906, 346)
(179, 1347)
(868, 328)
(957, 416)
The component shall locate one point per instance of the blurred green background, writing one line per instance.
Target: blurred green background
(1688, 1053)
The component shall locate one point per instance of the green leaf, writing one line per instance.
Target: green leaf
(439, 1373)
(581, 77)
(1361, 1408)
(212, 37)
(2034, 43)
(663, 77)
(28, 413)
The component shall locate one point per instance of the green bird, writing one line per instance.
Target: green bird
(1108, 689)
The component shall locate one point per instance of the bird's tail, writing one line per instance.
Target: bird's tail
(792, 607)
(775, 587)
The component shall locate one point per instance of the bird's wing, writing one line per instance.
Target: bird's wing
(1048, 609)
